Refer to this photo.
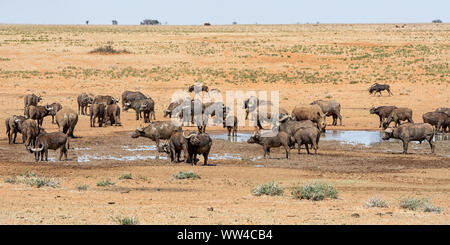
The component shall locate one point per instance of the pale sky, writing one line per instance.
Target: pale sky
(220, 12)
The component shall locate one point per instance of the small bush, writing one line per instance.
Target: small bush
(126, 220)
(40, 181)
(10, 180)
(125, 176)
(187, 175)
(376, 202)
(106, 182)
(270, 189)
(28, 174)
(423, 204)
(315, 191)
(108, 49)
(82, 187)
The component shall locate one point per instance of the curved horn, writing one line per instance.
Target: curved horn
(189, 135)
(37, 150)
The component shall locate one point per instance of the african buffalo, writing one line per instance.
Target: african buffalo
(252, 103)
(105, 99)
(66, 119)
(13, 126)
(39, 112)
(412, 132)
(56, 107)
(281, 139)
(397, 115)
(130, 96)
(113, 115)
(306, 136)
(330, 108)
(30, 130)
(439, 120)
(377, 88)
(382, 111)
(310, 112)
(53, 141)
(445, 110)
(231, 123)
(198, 88)
(175, 145)
(198, 143)
(83, 101)
(156, 131)
(146, 106)
(31, 99)
(97, 111)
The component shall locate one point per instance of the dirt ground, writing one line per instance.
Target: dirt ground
(302, 62)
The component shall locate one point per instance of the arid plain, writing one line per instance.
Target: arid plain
(302, 62)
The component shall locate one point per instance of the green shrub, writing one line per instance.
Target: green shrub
(40, 181)
(315, 191)
(376, 202)
(186, 175)
(82, 187)
(126, 220)
(270, 189)
(423, 204)
(126, 176)
(106, 182)
(10, 180)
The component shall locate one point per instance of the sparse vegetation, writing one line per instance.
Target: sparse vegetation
(315, 191)
(412, 203)
(376, 202)
(82, 187)
(106, 182)
(126, 220)
(30, 178)
(187, 175)
(270, 189)
(125, 176)
(109, 49)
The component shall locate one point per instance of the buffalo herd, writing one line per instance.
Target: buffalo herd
(303, 126)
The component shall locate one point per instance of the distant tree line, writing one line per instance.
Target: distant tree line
(150, 22)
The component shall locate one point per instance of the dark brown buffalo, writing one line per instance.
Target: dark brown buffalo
(439, 120)
(56, 107)
(145, 106)
(174, 109)
(13, 126)
(113, 114)
(84, 100)
(382, 111)
(39, 112)
(397, 115)
(198, 143)
(52, 141)
(97, 111)
(330, 108)
(290, 126)
(445, 110)
(198, 88)
(156, 131)
(31, 99)
(412, 132)
(231, 123)
(130, 96)
(281, 139)
(307, 136)
(377, 88)
(105, 99)
(30, 130)
(67, 119)
(177, 143)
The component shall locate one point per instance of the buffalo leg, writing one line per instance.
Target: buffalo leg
(432, 145)
(405, 147)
